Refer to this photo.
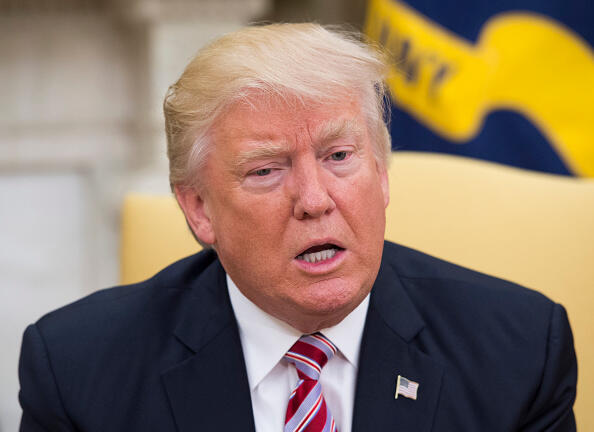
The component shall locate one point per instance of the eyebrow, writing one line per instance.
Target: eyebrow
(264, 150)
(329, 131)
(339, 128)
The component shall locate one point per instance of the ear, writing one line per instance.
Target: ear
(196, 211)
(382, 170)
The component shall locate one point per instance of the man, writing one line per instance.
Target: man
(298, 316)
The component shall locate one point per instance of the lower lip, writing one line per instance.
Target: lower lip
(324, 266)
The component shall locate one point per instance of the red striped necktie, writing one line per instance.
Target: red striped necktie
(307, 410)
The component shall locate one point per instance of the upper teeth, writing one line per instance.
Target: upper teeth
(317, 256)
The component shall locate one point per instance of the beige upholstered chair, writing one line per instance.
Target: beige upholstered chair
(534, 229)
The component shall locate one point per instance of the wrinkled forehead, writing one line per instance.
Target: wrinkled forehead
(262, 117)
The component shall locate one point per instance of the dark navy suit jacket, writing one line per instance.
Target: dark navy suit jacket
(165, 355)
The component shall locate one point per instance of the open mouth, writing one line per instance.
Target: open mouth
(319, 253)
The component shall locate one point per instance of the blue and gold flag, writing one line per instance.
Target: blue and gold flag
(510, 81)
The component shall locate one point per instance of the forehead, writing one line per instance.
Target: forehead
(262, 119)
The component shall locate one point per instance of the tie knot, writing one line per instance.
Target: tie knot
(310, 354)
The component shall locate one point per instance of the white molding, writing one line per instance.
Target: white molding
(188, 10)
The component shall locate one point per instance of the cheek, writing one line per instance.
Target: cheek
(363, 188)
(250, 227)
(362, 203)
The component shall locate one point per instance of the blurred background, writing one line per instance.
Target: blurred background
(82, 83)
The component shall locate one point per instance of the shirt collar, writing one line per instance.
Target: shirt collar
(265, 339)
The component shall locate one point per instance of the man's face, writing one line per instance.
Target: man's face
(294, 203)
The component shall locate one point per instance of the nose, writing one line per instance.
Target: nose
(312, 198)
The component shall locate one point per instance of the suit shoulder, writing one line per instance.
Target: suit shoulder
(488, 336)
(420, 269)
(474, 311)
(124, 305)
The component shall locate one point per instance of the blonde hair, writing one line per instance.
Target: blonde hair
(303, 61)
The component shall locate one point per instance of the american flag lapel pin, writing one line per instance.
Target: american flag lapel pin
(406, 388)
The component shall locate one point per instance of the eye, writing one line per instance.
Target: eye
(339, 156)
(263, 172)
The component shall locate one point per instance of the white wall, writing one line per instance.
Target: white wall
(42, 261)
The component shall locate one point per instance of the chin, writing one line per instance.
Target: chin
(332, 300)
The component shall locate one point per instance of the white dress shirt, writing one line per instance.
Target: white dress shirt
(265, 340)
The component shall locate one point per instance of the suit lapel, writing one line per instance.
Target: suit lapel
(209, 390)
(388, 350)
